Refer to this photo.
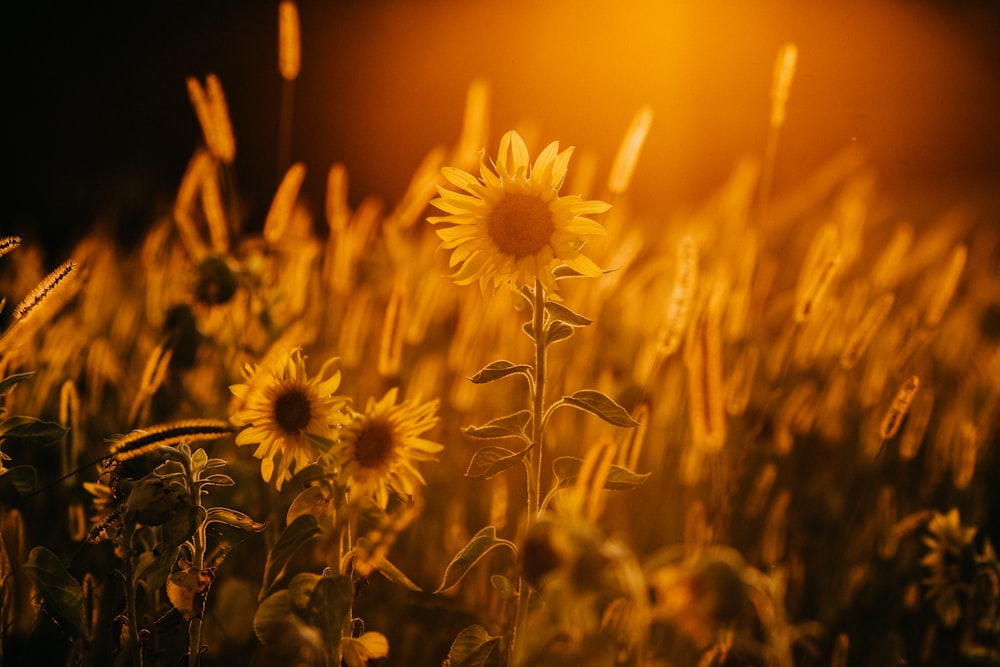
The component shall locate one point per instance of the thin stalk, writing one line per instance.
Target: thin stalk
(534, 473)
(198, 564)
(130, 602)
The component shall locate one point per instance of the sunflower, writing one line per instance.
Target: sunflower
(950, 559)
(378, 449)
(289, 416)
(510, 225)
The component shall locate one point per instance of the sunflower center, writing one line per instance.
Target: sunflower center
(292, 410)
(520, 225)
(374, 445)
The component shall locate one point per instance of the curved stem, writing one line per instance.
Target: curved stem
(534, 456)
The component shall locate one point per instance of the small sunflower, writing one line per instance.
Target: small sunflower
(950, 559)
(378, 449)
(287, 414)
(510, 225)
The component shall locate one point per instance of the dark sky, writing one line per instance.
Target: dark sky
(99, 125)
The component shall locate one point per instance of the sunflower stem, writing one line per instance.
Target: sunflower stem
(534, 457)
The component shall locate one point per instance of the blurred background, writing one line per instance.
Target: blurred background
(100, 128)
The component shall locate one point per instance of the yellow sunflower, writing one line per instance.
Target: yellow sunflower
(379, 448)
(950, 561)
(510, 225)
(287, 414)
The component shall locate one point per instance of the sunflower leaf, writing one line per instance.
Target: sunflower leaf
(490, 461)
(22, 480)
(560, 313)
(557, 331)
(474, 647)
(330, 607)
(394, 574)
(499, 369)
(567, 469)
(34, 431)
(502, 427)
(233, 518)
(271, 611)
(61, 592)
(298, 533)
(8, 382)
(529, 329)
(482, 543)
(601, 405)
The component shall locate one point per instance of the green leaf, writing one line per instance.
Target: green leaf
(8, 382)
(61, 592)
(482, 543)
(22, 479)
(557, 331)
(153, 569)
(34, 431)
(564, 271)
(490, 461)
(559, 312)
(502, 427)
(233, 518)
(301, 588)
(271, 611)
(298, 533)
(601, 405)
(503, 586)
(499, 369)
(567, 469)
(218, 479)
(199, 460)
(330, 607)
(181, 526)
(394, 574)
(474, 647)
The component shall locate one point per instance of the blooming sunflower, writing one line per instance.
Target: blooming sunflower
(950, 560)
(282, 411)
(510, 225)
(378, 449)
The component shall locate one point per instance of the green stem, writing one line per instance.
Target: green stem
(198, 564)
(534, 456)
(130, 601)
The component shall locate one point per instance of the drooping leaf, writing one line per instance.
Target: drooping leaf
(301, 588)
(529, 329)
(394, 574)
(490, 461)
(502, 427)
(499, 369)
(22, 480)
(7, 383)
(601, 405)
(330, 606)
(474, 647)
(312, 500)
(561, 313)
(188, 589)
(233, 518)
(298, 533)
(481, 544)
(181, 526)
(153, 569)
(503, 586)
(567, 469)
(273, 610)
(31, 430)
(557, 331)
(62, 593)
